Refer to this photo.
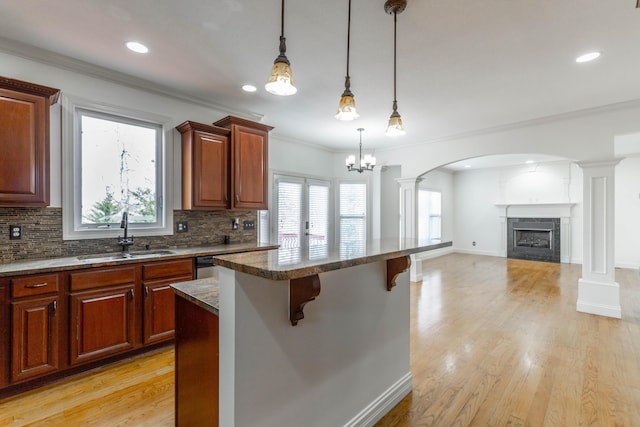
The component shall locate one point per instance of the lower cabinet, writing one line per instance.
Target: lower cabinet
(158, 307)
(35, 326)
(52, 323)
(35, 337)
(102, 303)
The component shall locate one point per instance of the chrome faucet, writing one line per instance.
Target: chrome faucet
(125, 241)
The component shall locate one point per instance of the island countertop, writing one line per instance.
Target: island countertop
(294, 263)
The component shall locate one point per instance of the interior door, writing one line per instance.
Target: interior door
(301, 225)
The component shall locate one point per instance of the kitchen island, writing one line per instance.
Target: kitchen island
(316, 337)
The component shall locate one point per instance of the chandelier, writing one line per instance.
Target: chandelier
(366, 163)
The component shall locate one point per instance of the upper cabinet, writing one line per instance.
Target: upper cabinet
(205, 166)
(225, 165)
(249, 162)
(24, 142)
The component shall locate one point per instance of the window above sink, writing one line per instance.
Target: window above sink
(114, 161)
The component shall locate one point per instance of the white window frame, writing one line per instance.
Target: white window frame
(71, 172)
(431, 190)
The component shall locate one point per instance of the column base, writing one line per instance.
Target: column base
(600, 298)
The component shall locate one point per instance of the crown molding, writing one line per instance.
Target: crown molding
(68, 63)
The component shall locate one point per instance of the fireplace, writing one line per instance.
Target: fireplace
(535, 239)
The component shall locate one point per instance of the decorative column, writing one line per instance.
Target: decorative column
(598, 292)
(409, 220)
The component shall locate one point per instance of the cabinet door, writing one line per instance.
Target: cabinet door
(35, 335)
(211, 185)
(102, 323)
(24, 141)
(250, 167)
(159, 318)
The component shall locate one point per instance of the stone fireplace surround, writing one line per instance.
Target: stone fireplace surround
(538, 211)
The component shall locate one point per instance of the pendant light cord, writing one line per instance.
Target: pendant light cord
(395, 20)
(282, 20)
(349, 35)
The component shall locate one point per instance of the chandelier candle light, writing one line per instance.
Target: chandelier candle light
(347, 107)
(367, 163)
(395, 121)
(281, 80)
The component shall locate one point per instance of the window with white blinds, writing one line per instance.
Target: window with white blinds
(353, 218)
(430, 215)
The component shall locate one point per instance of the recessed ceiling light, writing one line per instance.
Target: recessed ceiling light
(467, 166)
(529, 162)
(249, 88)
(588, 57)
(137, 47)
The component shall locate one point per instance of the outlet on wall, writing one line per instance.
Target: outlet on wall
(182, 226)
(15, 232)
(473, 243)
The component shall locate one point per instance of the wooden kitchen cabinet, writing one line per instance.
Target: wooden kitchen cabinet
(158, 319)
(102, 317)
(249, 162)
(35, 326)
(24, 141)
(205, 166)
(5, 346)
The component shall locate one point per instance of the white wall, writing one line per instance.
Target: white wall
(389, 202)
(627, 216)
(475, 216)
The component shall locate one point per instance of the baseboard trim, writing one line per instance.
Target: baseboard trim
(599, 309)
(477, 252)
(421, 256)
(383, 404)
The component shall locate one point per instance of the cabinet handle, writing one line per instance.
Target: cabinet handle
(146, 292)
(37, 285)
(54, 307)
(131, 293)
(237, 198)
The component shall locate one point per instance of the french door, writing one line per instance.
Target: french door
(302, 224)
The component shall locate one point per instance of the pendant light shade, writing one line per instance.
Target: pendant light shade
(395, 128)
(281, 79)
(347, 107)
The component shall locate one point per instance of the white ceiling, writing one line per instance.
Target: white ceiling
(462, 65)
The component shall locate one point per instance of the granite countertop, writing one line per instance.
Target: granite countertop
(202, 292)
(114, 258)
(286, 264)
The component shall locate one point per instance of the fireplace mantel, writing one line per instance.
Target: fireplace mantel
(539, 210)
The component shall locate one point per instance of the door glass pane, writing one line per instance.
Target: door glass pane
(318, 220)
(289, 214)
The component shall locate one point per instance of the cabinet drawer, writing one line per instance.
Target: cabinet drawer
(97, 278)
(161, 270)
(34, 285)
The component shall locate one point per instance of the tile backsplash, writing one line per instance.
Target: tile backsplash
(42, 234)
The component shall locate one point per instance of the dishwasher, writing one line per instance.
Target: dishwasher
(205, 267)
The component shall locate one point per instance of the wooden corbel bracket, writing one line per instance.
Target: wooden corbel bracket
(301, 291)
(396, 266)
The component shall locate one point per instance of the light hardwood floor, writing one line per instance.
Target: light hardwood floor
(494, 342)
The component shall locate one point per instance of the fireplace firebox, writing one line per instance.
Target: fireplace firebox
(535, 239)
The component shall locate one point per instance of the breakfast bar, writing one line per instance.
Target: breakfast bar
(310, 337)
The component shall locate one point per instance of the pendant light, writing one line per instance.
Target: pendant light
(347, 107)
(395, 121)
(281, 80)
(366, 163)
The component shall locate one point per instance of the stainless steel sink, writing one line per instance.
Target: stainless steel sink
(124, 255)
